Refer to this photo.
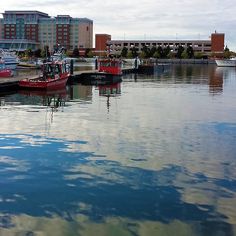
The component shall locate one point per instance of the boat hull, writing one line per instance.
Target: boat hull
(6, 73)
(44, 84)
(99, 78)
(226, 63)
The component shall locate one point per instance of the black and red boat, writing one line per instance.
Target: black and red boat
(109, 72)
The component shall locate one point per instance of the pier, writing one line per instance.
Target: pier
(12, 82)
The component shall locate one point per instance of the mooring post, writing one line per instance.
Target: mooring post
(96, 63)
(71, 67)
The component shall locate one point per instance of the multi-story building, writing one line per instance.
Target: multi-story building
(20, 30)
(207, 47)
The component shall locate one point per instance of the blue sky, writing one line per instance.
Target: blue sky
(145, 19)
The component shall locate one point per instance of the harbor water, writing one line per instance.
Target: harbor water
(154, 155)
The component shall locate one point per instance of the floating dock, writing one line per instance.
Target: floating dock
(12, 82)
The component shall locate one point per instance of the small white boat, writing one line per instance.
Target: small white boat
(11, 60)
(226, 62)
(37, 64)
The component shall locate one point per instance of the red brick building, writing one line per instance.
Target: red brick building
(101, 41)
(217, 43)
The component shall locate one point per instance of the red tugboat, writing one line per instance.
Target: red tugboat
(109, 72)
(54, 75)
(110, 66)
(5, 73)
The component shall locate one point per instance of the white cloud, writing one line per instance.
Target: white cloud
(145, 18)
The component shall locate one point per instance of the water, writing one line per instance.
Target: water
(154, 155)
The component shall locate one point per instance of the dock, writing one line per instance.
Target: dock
(12, 82)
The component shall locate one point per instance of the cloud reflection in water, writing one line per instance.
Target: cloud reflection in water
(69, 184)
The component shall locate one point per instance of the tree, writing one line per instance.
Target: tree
(160, 51)
(88, 52)
(227, 52)
(142, 55)
(190, 52)
(184, 54)
(198, 55)
(75, 52)
(37, 53)
(156, 55)
(129, 54)
(166, 51)
(45, 52)
(180, 50)
(146, 51)
(134, 52)
(153, 51)
(124, 52)
(29, 52)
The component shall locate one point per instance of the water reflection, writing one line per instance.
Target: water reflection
(216, 82)
(160, 162)
(53, 98)
(188, 74)
(108, 91)
(82, 92)
(66, 185)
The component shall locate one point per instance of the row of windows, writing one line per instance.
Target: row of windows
(120, 45)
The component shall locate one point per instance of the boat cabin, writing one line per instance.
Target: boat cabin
(110, 66)
(50, 69)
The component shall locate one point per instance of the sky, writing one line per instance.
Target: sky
(145, 19)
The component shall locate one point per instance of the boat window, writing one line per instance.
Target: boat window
(57, 69)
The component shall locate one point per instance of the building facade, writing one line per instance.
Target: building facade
(206, 47)
(21, 30)
(101, 41)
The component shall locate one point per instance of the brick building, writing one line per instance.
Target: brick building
(20, 30)
(207, 47)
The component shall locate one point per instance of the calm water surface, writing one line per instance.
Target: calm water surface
(155, 155)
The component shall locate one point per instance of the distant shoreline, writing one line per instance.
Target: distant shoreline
(184, 61)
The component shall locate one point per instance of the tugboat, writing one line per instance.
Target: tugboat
(110, 66)
(54, 75)
(109, 72)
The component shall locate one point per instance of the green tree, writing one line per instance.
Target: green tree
(171, 55)
(45, 52)
(153, 51)
(198, 55)
(124, 52)
(75, 52)
(143, 55)
(190, 52)
(160, 51)
(146, 51)
(90, 54)
(184, 54)
(166, 51)
(227, 52)
(37, 53)
(156, 55)
(129, 54)
(29, 53)
(134, 52)
(180, 50)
